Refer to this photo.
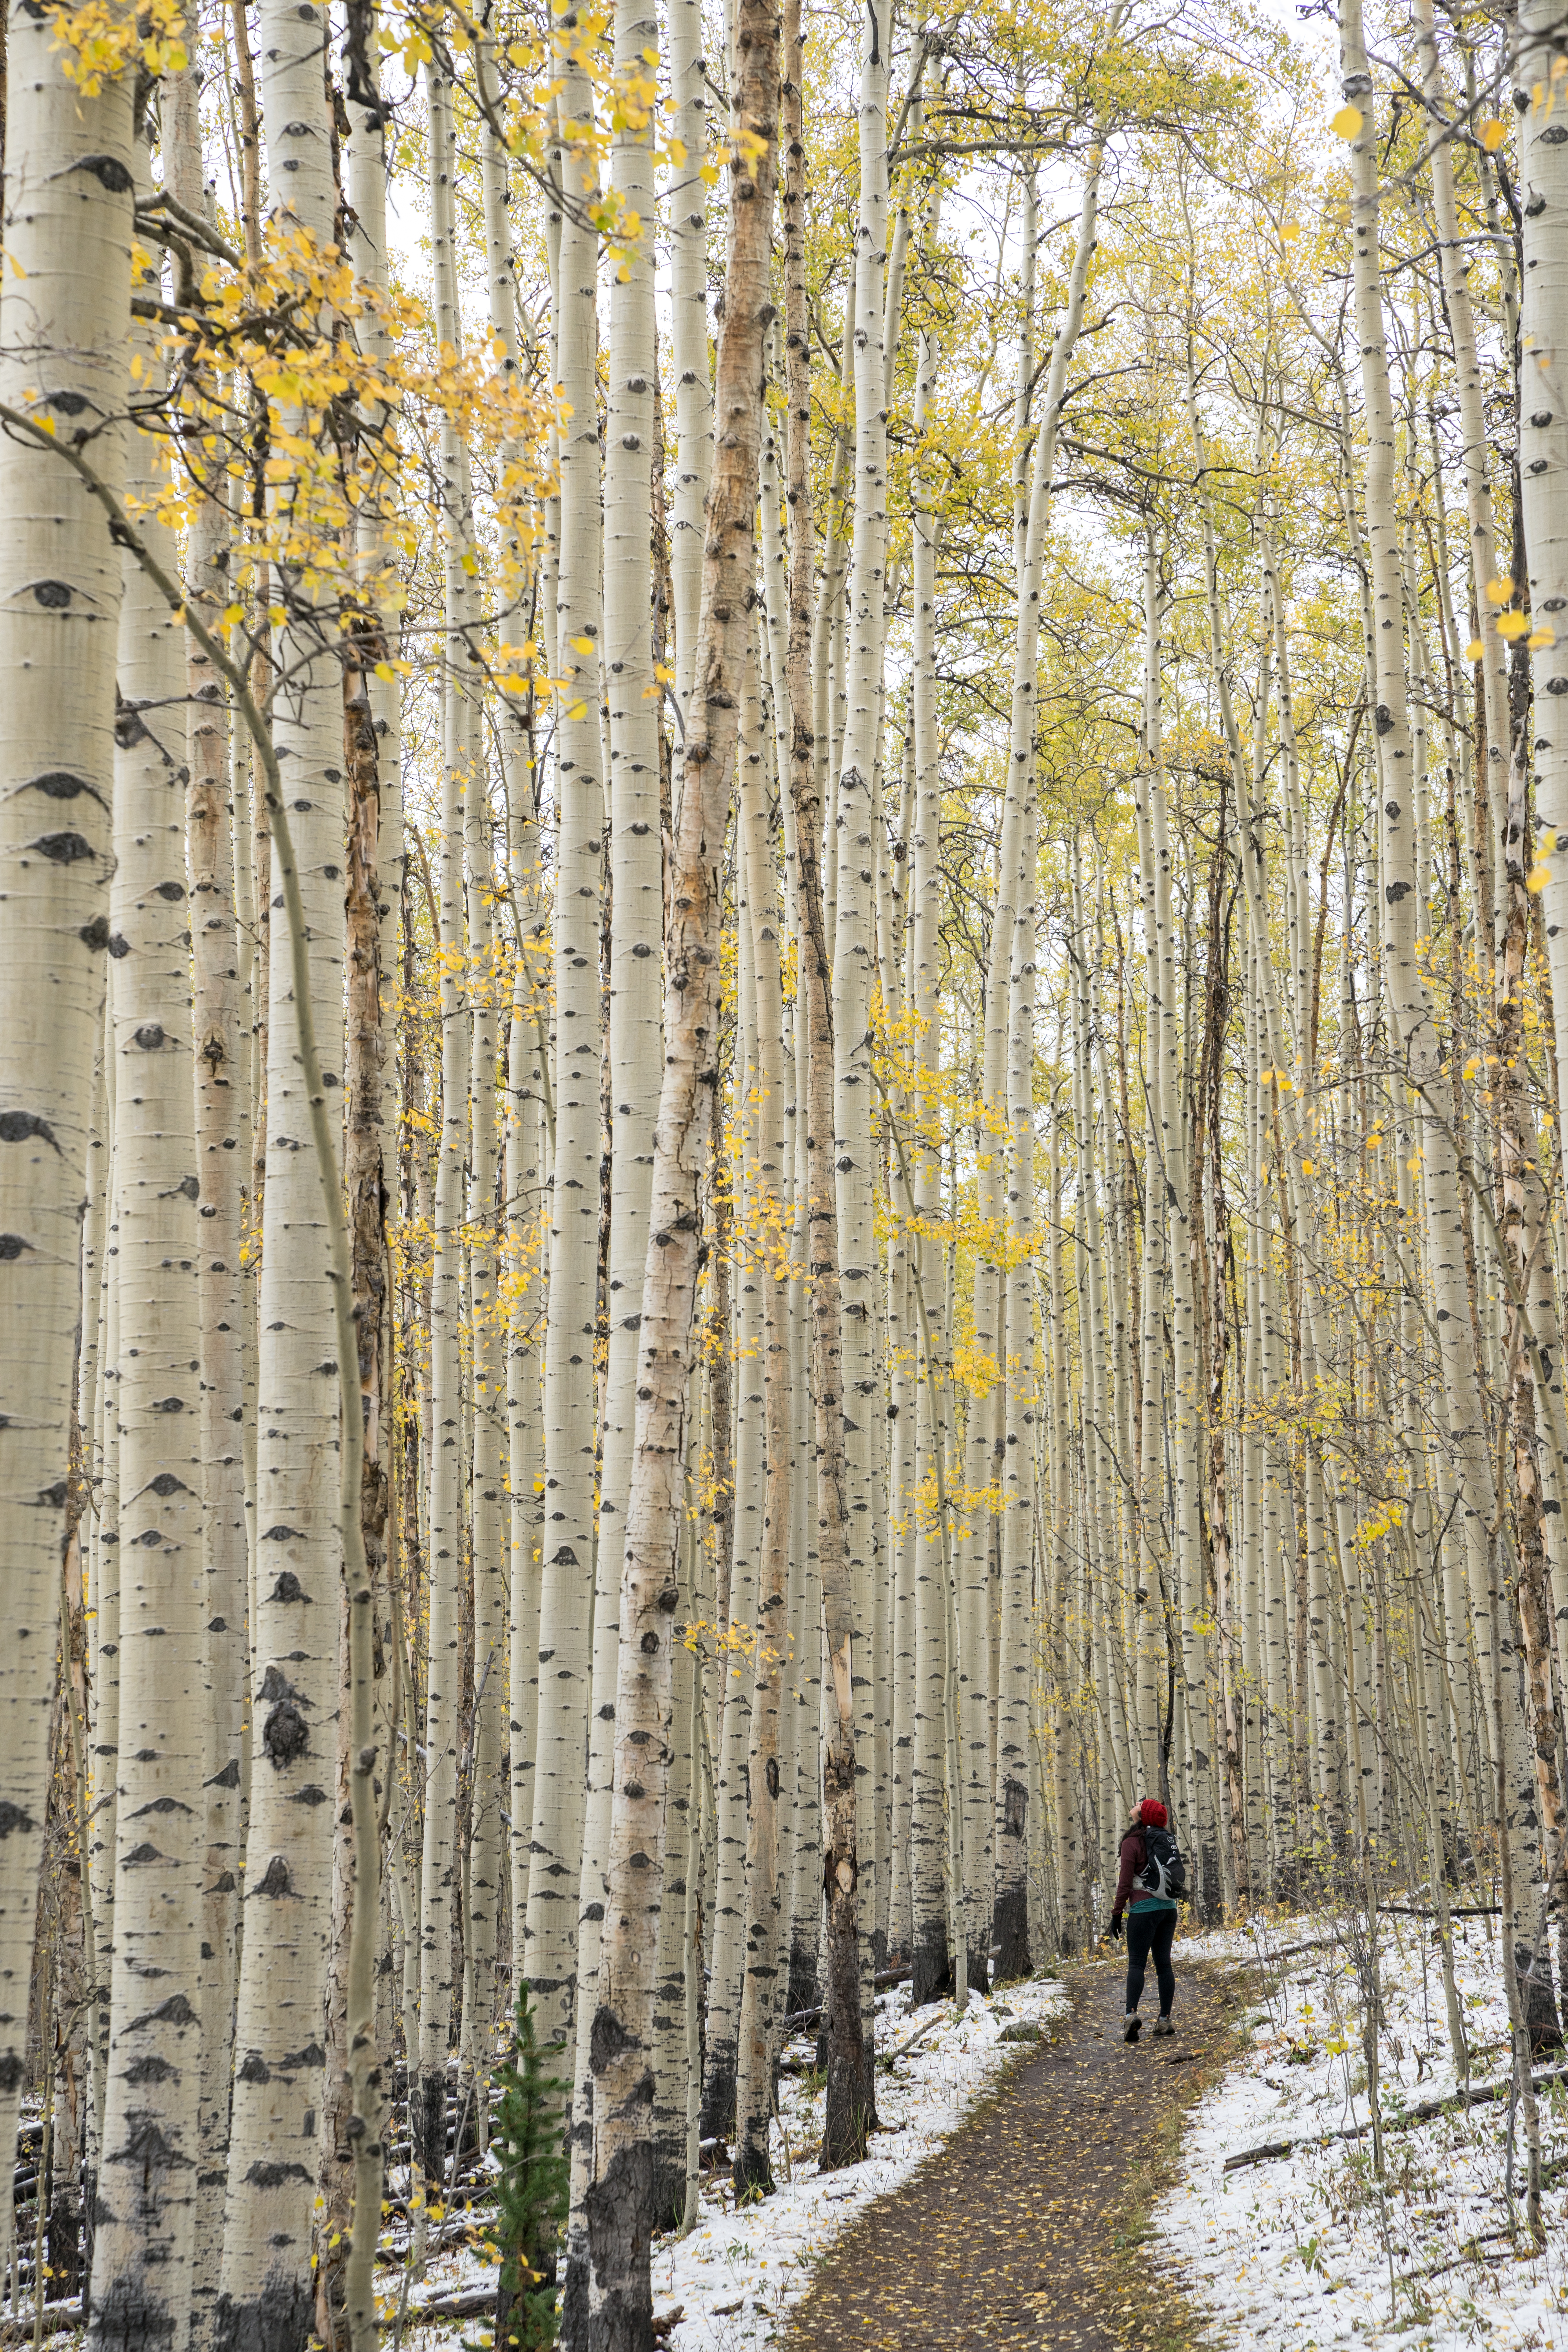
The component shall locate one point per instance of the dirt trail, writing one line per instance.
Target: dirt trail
(1005, 2238)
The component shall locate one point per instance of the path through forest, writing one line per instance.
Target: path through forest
(1010, 2236)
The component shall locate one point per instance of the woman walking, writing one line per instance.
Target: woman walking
(1153, 1874)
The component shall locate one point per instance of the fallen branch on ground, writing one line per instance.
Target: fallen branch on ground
(474, 2303)
(1481, 2094)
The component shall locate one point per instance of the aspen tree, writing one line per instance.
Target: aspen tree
(567, 1565)
(619, 2197)
(528, 1104)
(928, 1957)
(489, 1738)
(848, 2087)
(1542, 475)
(854, 946)
(758, 1990)
(1149, 1592)
(732, 1793)
(485, 1857)
(266, 2286)
(1473, 455)
(223, 1163)
(632, 1043)
(1014, 1693)
(799, 788)
(65, 295)
(688, 332)
(145, 2204)
(105, 1736)
(442, 1698)
(1539, 74)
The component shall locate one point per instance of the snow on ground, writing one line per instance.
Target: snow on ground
(741, 2267)
(1309, 2250)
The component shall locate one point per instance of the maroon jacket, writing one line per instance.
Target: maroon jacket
(1134, 1855)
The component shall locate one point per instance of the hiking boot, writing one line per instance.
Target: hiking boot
(1161, 2027)
(1133, 2027)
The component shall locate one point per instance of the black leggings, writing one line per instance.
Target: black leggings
(1149, 1935)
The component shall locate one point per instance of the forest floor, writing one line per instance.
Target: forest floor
(1311, 2249)
(1030, 2227)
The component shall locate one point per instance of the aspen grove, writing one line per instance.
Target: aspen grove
(784, 946)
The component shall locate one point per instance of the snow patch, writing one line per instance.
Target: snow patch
(1309, 2250)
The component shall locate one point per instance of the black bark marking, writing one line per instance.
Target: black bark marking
(285, 1735)
(19, 1126)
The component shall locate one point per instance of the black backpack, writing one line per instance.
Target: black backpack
(1163, 1871)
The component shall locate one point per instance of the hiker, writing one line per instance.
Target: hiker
(1153, 1874)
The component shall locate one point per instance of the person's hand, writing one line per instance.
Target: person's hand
(1115, 1931)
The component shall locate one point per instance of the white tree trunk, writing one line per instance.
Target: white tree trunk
(266, 2294)
(145, 2207)
(65, 294)
(566, 1590)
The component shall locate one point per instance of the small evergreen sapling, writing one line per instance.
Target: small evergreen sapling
(531, 2188)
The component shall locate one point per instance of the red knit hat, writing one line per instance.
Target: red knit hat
(1152, 1813)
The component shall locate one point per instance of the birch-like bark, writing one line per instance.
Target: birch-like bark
(798, 787)
(266, 2295)
(1543, 465)
(854, 949)
(1455, 259)
(223, 1166)
(566, 1581)
(145, 2203)
(633, 1040)
(848, 2087)
(689, 334)
(732, 1793)
(930, 1962)
(65, 294)
(619, 2200)
(528, 1109)
(486, 1860)
(1015, 1682)
(767, 1120)
(1531, 1404)
(1149, 1588)
(439, 1866)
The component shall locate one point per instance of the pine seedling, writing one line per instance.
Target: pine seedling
(531, 2189)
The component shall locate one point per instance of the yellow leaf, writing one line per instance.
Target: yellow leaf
(1347, 122)
(231, 614)
(1492, 133)
(581, 645)
(385, 670)
(1474, 650)
(1290, 231)
(1538, 877)
(1511, 625)
(1500, 591)
(1538, 639)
